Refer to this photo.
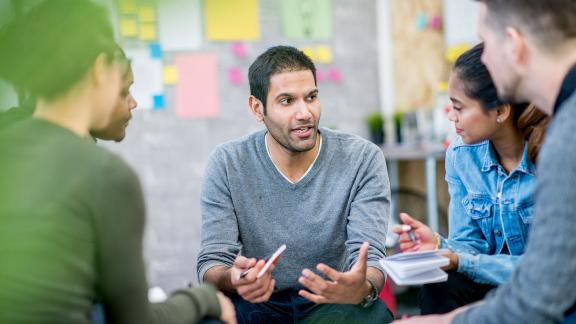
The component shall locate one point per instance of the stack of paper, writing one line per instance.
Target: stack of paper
(416, 268)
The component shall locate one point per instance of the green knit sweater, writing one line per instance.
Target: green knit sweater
(71, 228)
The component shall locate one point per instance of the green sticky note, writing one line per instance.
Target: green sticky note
(307, 19)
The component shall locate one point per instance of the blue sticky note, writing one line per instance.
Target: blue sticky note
(155, 50)
(421, 21)
(158, 102)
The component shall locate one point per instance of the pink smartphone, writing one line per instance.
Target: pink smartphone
(271, 261)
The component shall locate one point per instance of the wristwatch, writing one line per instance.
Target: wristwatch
(372, 296)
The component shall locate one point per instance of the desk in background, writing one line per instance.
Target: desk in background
(430, 153)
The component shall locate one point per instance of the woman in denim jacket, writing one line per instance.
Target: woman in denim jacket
(490, 174)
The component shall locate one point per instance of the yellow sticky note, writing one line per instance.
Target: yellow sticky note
(453, 52)
(147, 31)
(128, 27)
(308, 51)
(229, 20)
(147, 14)
(128, 6)
(170, 75)
(324, 54)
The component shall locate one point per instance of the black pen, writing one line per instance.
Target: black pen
(244, 273)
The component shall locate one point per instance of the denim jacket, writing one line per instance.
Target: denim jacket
(488, 210)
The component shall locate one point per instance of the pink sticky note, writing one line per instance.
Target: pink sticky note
(235, 76)
(239, 49)
(435, 22)
(197, 87)
(320, 75)
(335, 75)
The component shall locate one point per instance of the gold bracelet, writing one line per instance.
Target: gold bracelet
(436, 241)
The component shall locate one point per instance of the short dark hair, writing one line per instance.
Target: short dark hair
(276, 60)
(551, 22)
(52, 47)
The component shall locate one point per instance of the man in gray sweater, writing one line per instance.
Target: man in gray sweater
(323, 193)
(530, 51)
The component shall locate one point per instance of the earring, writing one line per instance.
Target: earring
(499, 120)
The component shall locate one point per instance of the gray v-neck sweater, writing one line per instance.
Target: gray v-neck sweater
(248, 206)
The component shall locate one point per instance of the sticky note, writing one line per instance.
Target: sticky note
(227, 20)
(453, 52)
(235, 76)
(320, 75)
(306, 19)
(324, 54)
(180, 25)
(435, 22)
(128, 6)
(308, 51)
(196, 93)
(158, 102)
(170, 75)
(155, 50)
(128, 27)
(421, 21)
(239, 49)
(147, 32)
(335, 75)
(147, 14)
(147, 75)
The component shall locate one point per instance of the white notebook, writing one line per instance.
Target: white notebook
(416, 268)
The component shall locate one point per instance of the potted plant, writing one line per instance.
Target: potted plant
(375, 123)
(398, 115)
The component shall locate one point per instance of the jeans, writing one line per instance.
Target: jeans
(288, 307)
(457, 291)
(98, 314)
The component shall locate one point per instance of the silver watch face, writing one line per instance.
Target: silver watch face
(372, 296)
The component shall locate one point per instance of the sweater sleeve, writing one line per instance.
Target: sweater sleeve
(220, 234)
(370, 211)
(187, 306)
(119, 224)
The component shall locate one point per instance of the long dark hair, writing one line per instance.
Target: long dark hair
(479, 86)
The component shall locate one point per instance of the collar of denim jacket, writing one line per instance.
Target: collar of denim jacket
(490, 160)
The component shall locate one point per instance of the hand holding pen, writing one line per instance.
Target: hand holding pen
(252, 279)
(270, 262)
(408, 230)
(414, 235)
